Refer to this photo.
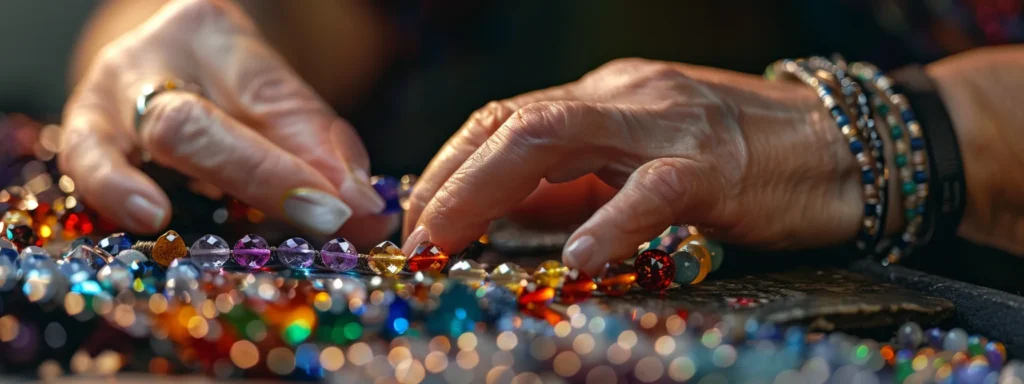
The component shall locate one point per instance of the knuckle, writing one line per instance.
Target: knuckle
(540, 121)
(492, 115)
(175, 119)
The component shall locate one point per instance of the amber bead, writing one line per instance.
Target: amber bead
(510, 276)
(534, 294)
(167, 248)
(715, 251)
(550, 273)
(21, 235)
(468, 272)
(386, 259)
(616, 279)
(655, 270)
(428, 257)
(699, 251)
(578, 286)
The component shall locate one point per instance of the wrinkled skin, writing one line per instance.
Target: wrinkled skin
(754, 162)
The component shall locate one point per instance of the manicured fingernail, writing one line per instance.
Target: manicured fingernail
(316, 211)
(358, 192)
(417, 236)
(145, 212)
(579, 252)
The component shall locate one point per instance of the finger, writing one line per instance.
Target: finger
(660, 193)
(557, 141)
(478, 129)
(94, 149)
(188, 133)
(563, 205)
(245, 77)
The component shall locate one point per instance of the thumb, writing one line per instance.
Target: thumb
(658, 194)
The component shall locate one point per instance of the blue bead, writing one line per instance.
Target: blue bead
(920, 177)
(934, 336)
(916, 143)
(115, 243)
(867, 176)
(397, 322)
(870, 209)
(457, 312)
(387, 188)
(908, 115)
(856, 147)
(836, 112)
(842, 120)
(8, 250)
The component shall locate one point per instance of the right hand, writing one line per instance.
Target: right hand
(260, 133)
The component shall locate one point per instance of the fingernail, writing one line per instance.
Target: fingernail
(579, 252)
(417, 236)
(358, 192)
(316, 211)
(145, 212)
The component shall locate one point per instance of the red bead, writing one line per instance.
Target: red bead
(21, 235)
(654, 270)
(616, 279)
(428, 257)
(534, 294)
(577, 287)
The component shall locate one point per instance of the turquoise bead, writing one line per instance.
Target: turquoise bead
(897, 132)
(908, 188)
(901, 160)
(717, 254)
(687, 267)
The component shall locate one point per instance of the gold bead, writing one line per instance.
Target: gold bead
(468, 272)
(550, 273)
(167, 248)
(386, 259)
(509, 275)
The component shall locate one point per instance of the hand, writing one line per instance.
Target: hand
(260, 133)
(754, 162)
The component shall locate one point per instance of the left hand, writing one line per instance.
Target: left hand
(755, 162)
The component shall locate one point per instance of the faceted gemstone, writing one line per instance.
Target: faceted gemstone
(43, 281)
(616, 279)
(701, 253)
(955, 340)
(577, 287)
(93, 256)
(8, 274)
(386, 259)
(550, 273)
(8, 250)
(30, 255)
(339, 255)
(387, 187)
(510, 276)
(210, 252)
(168, 248)
(115, 277)
(129, 256)
(146, 269)
(654, 270)
(534, 295)
(909, 335)
(687, 267)
(296, 253)
(77, 270)
(428, 257)
(185, 266)
(21, 235)
(251, 251)
(115, 243)
(74, 244)
(468, 272)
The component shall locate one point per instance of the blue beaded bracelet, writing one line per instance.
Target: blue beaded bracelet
(873, 209)
(905, 132)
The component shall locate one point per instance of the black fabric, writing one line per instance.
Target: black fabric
(947, 189)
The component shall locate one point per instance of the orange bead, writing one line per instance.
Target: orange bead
(616, 279)
(534, 294)
(577, 287)
(428, 257)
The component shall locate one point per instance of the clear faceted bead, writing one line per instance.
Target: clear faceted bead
(77, 270)
(30, 255)
(468, 272)
(210, 252)
(95, 257)
(130, 256)
(43, 281)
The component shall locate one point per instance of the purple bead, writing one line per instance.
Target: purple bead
(994, 355)
(934, 336)
(296, 253)
(339, 255)
(387, 188)
(251, 251)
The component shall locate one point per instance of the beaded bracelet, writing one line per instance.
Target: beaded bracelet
(870, 172)
(866, 124)
(909, 144)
